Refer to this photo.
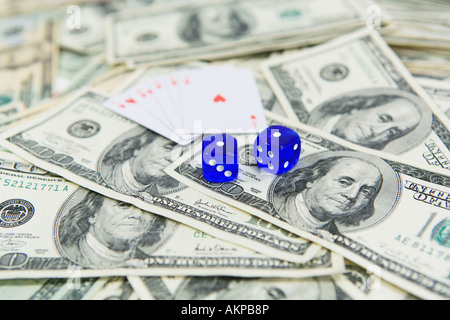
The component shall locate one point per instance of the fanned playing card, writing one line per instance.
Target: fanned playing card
(185, 104)
(228, 101)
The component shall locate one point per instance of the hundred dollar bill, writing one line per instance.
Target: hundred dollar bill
(9, 114)
(83, 27)
(115, 288)
(20, 87)
(21, 29)
(418, 23)
(78, 71)
(232, 288)
(187, 32)
(374, 208)
(10, 7)
(439, 91)
(419, 34)
(425, 62)
(73, 65)
(51, 289)
(357, 89)
(113, 79)
(9, 110)
(372, 286)
(243, 50)
(28, 71)
(101, 151)
(51, 228)
(24, 115)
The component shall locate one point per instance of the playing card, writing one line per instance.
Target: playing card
(162, 94)
(185, 104)
(172, 83)
(222, 99)
(144, 95)
(129, 108)
(192, 78)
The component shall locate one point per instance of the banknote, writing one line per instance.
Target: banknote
(73, 66)
(112, 288)
(96, 70)
(357, 89)
(9, 7)
(106, 153)
(14, 118)
(83, 27)
(21, 29)
(407, 34)
(9, 114)
(189, 31)
(425, 62)
(51, 289)
(372, 286)
(115, 288)
(20, 87)
(53, 228)
(232, 288)
(243, 50)
(372, 207)
(28, 71)
(439, 91)
(9, 110)
(88, 256)
(111, 81)
(417, 23)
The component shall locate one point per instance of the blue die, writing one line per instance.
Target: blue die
(277, 149)
(220, 158)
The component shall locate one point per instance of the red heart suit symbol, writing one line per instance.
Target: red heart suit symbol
(219, 98)
(254, 121)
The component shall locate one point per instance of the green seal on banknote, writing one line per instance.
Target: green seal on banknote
(441, 233)
(5, 100)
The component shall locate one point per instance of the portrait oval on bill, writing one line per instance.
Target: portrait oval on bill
(215, 24)
(97, 232)
(385, 119)
(229, 288)
(135, 164)
(336, 192)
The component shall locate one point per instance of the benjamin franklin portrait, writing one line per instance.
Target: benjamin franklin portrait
(385, 119)
(134, 164)
(214, 25)
(97, 232)
(336, 191)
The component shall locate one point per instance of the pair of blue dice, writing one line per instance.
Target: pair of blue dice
(276, 149)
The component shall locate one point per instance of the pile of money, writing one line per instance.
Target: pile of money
(419, 34)
(94, 206)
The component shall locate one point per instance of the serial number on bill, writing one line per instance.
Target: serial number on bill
(32, 185)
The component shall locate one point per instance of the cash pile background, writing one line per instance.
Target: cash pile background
(76, 54)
